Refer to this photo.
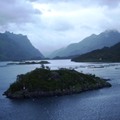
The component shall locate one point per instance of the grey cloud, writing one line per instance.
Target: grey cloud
(52, 1)
(14, 11)
(109, 3)
(10, 1)
(45, 1)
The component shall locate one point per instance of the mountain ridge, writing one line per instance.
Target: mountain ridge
(17, 47)
(106, 54)
(92, 42)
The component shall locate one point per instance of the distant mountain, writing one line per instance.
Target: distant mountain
(106, 54)
(93, 42)
(17, 47)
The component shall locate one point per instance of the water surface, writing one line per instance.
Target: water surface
(103, 104)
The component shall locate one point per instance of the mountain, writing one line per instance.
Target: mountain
(106, 54)
(17, 47)
(93, 42)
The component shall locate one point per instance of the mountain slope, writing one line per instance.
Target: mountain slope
(104, 39)
(16, 47)
(106, 54)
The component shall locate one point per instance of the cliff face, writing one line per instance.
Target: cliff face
(17, 47)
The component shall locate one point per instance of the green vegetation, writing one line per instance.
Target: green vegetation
(29, 63)
(46, 82)
(33, 62)
(107, 54)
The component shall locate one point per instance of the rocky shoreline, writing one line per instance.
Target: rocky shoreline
(38, 94)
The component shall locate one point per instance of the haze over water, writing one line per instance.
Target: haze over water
(100, 104)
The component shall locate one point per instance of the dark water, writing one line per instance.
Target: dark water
(103, 104)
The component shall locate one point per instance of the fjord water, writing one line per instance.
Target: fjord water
(102, 104)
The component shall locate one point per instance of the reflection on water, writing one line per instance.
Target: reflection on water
(100, 104)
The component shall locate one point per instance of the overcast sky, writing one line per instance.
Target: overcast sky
(52, 24)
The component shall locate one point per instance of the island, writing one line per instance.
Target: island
(28, 63)
(43, 82)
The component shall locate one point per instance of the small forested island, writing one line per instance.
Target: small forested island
(29, 63)
(43, 82)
